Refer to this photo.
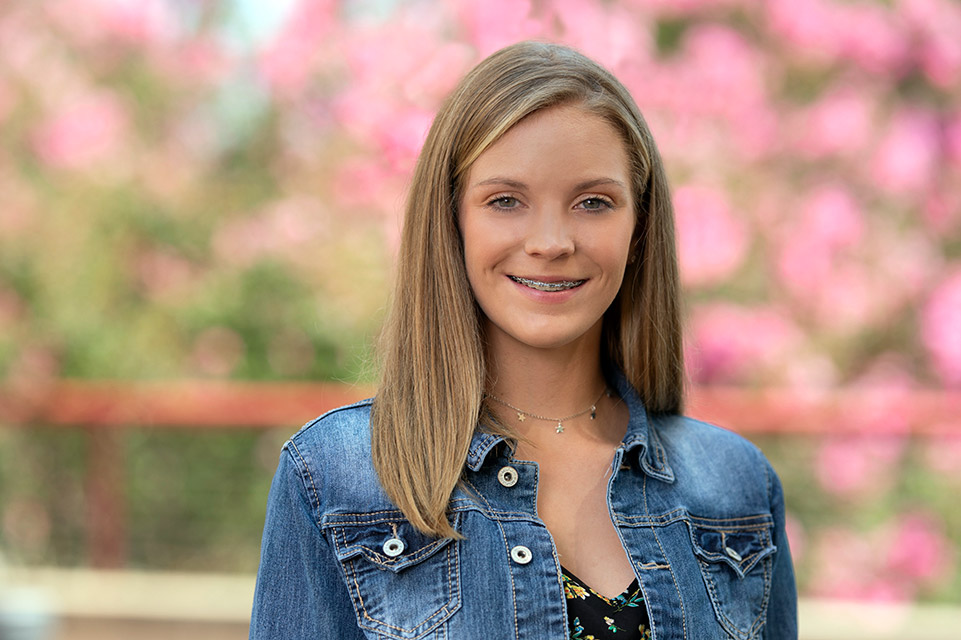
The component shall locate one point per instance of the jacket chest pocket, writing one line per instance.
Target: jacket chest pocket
(736, 559)
(403, 584)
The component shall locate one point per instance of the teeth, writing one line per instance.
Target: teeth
(548, 286)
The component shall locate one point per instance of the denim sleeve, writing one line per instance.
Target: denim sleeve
(782, 608)
(299, 593)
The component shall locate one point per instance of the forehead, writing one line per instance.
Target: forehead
(558, 141)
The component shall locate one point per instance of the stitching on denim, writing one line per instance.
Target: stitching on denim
(677, 588)
(510, 568)
(313, 486)
(442, 613)
(759, 521)
(722, 616)
(653, 565)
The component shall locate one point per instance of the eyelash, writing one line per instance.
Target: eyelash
(604, 203)
(497, 203)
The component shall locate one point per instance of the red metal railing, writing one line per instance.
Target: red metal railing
(105, 408)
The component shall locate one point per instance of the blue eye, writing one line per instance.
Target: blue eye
(595, 204)
(504, 202)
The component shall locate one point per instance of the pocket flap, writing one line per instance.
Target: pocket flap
(739, 543)
(384, 538)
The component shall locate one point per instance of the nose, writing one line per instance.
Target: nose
(549, 236)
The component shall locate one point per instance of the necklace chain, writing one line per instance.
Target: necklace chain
(560, 421)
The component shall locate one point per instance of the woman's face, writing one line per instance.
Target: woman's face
(547, 218)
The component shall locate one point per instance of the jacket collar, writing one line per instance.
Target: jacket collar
(641, 436)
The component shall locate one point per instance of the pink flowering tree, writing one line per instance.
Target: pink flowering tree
(214, 189)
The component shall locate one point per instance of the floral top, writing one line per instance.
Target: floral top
(591, 616)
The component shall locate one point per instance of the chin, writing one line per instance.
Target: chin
(546, 339)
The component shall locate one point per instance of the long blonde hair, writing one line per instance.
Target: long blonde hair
(430, 398)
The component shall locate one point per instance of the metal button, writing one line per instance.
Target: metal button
(521, 554)
(394, 547)
(507, 476)
(734, 555)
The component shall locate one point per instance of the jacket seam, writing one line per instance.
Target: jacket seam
(310, 476)
(664, 555)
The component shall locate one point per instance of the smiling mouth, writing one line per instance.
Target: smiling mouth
(537, 285)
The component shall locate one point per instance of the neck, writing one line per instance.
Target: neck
(548, 382)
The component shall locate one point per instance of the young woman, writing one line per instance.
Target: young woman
(525, 471)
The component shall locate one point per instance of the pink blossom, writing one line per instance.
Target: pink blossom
(626, 38)
(7, 99)
(200, 61)
(797, 537)
(399, 79)
(140, 22)
(806, 26)
(493, 24)
(396, 131)
(855, 466)
(849, 300)
(829, 221)
(34, 367)
(832, 216)
(287, 62)
(18, 215)
(907, 156)
(281, 229)
(840, 122)
(952, 135)
(890, 563)
(712, 242)
(870, 36)
(89, 130)
(360, 183)
(940, 319)
(143, 21)
(724, 73)
(683, 7)
(731, 343)
(941, 209)
(163, 274)
(941, 56)
(943, 453)
(936, 24)
(217, 352)
(919, 551)
(845, 566)
(11, 309)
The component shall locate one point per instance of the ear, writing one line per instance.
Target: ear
(635, 247)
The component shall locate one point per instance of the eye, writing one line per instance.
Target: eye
(504, 202)
(595, 203)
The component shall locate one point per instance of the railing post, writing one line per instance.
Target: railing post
(106, 521)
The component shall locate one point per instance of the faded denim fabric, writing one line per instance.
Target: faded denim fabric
(698, 508)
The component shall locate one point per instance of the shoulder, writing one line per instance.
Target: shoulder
(708, 459)
(332, 452)
(340, 426)
(691, 437)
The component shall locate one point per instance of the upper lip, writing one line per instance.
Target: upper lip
(548, 279)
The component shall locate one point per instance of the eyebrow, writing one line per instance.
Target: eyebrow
(516, 184)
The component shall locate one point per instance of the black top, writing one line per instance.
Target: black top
(591, 616)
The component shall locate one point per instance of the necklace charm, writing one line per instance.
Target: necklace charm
(523, 415)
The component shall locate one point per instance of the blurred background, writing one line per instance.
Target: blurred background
(200, 204)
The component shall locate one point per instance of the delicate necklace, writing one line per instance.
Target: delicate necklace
(522, 415)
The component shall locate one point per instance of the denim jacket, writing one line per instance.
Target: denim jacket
(698, 509)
